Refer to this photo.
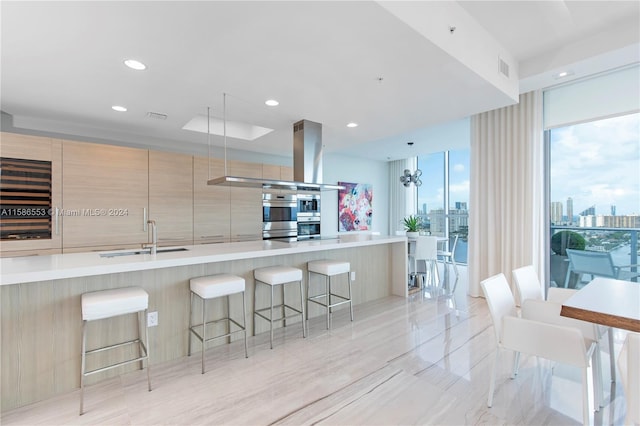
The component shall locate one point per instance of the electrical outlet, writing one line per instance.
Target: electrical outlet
(353, 275)
(152, 319)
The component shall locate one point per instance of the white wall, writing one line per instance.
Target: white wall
(339, 168)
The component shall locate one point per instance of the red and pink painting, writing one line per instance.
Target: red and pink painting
(355, 206)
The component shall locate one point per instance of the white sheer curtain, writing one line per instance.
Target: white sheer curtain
(402, 201)
(507, 220)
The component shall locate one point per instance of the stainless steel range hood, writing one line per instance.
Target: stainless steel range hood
(307, 164)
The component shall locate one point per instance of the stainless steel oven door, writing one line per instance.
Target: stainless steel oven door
(308, 228)
(279, 208)
(287, 231)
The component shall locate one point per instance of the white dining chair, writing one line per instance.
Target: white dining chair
(448, 257)
(629, 364)
(426, 249)
(557, 343)
(529, 287)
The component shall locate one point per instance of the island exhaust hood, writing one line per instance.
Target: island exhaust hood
(307, 164)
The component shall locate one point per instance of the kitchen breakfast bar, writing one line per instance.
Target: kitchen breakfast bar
(41, 312)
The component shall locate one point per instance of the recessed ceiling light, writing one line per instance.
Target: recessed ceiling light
(119, 108)
(136, 65)
(563, 74)
(272, 102)
(352, 125)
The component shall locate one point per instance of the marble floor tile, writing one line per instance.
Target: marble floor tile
(421, 360)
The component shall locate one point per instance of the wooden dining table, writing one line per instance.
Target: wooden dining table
(606, 301)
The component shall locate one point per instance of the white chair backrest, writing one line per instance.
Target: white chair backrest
(592, 262)
(426, 248)
(528, 284)
(500, 300)
(454, 245)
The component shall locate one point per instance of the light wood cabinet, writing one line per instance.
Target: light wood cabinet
(271, 171)
(286, 173)
(211, 204)
(25, 147)
(246, 204)
(108, 187)
(171, 197)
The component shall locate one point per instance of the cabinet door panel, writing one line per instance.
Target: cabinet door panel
(246, 204)
(171, 197)
(286, 173)
(107, 186)
(269, 171)
(211, 204)
(41, 149)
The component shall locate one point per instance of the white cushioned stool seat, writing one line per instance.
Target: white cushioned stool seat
(213, 286)
(329, 267)
(274, 275)
(110, 303)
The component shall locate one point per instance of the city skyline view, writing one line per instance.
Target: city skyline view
(597, 164)
(432, 190)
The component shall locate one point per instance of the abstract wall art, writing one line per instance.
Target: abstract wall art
(355, 207)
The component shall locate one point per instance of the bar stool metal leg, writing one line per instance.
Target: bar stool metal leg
(308, 288)
(327, 290)
(204, 330)
(304, 332)
(350, 298)
(83, 367)
(146, 348)
(271, 322)
(190, 323)
(244, 324)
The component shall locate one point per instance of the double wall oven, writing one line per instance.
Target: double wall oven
(290, 216)
(308, 216)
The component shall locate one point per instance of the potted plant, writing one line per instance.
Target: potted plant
(412, 225)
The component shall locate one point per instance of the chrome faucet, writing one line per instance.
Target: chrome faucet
(153, 245)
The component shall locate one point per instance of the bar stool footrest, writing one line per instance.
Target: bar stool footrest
(231, 320)
(342, 302)
(297, 313)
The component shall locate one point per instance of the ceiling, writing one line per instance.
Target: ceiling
(330, 62)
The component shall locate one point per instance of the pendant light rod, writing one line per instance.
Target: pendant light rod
(224, 129)
(209, 143)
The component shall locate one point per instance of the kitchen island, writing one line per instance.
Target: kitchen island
(40, 299)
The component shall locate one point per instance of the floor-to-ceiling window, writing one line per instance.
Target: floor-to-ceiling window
(443, 198)
(594, 191)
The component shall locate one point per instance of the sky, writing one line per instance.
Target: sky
(432, 189)
(597, 163)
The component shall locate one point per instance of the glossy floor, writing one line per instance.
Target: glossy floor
(422, 360)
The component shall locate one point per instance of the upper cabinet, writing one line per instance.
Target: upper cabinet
(171, 197)
(108, 187)
(211, 204)
(30, 194)
(270, 171)
(79, 196)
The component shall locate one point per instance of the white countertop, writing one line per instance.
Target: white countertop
(26, 269)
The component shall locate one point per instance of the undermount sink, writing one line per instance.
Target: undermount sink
(135, 252)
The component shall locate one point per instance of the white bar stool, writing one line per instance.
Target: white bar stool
(107, 304)
(212, 287)
(329, 268)
(273, 276)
